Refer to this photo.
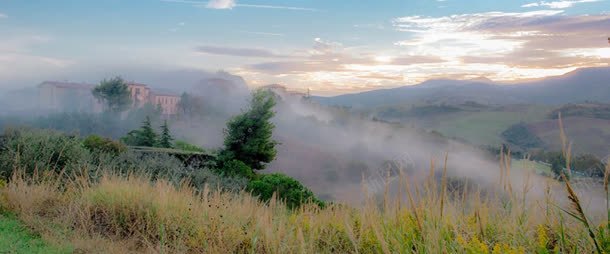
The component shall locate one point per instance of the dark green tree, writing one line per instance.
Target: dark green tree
(145, 136)
(248, 137)
(166, 138)
(114, 93)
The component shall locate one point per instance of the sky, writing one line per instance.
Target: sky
(330, 47)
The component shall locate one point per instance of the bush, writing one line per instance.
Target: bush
(235, 168)
(287, 189)
(97, 144)
(183, 145)
(31, 150)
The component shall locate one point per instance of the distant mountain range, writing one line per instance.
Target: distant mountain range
(588, 84)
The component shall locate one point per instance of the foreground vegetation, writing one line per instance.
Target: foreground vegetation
(122, 214)
(154, 206)
(15, 238)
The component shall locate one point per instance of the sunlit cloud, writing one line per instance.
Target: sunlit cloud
(220, 4)
(501, 46)
(558, 4)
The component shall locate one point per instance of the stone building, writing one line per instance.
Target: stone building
(55, 96)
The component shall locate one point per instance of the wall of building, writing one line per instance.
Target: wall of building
(65, 96)
(169, 103)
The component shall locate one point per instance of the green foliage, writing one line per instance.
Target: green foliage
(520, 135)
(185, 146)
(98, 144)
(165, 140)
(582, 164)
(589, 165)
(114, 93)
(145, 136)
(248, 137)
(32, 150)
(287, 189)
(235, 168)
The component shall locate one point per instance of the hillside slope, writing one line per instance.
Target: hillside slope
(590, 84)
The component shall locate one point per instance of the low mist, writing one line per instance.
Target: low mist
(331, 150)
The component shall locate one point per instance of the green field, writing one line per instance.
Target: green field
(538, 167)
(15, 238)
(485, 127)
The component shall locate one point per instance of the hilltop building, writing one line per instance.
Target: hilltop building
(56, 96)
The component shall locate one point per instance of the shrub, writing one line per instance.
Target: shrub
(31, 150)
(287, 189)
(183, 145)
(97, 144)
(235, 168)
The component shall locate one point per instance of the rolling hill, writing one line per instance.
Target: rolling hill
(589, 84)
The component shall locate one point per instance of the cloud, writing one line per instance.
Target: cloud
(498, 34)
(558, 4)
(230, 4)
(239, 52)
(221, 4)
(3, 16)
(503, 46)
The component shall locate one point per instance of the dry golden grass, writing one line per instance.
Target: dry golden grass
(133, 215)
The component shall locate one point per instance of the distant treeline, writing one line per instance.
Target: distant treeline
(591, 110)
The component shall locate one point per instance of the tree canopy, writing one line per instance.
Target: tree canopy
(114, 93)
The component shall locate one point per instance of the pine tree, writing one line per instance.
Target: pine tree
(148, 136)
(145, 136)
(166, 138)
(248, 137)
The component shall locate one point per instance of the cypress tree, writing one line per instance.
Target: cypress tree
(166, 138)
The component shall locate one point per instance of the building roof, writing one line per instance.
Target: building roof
(135, 84)
(65, 84)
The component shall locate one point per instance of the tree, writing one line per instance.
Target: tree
(520, 135)
(114, 93)
(145, 136)
(189, 105)
(166, 138)
(248, 137)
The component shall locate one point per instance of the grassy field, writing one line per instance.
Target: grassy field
(537, 167)
(127, 215)
(484, 128)
(16, 238)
